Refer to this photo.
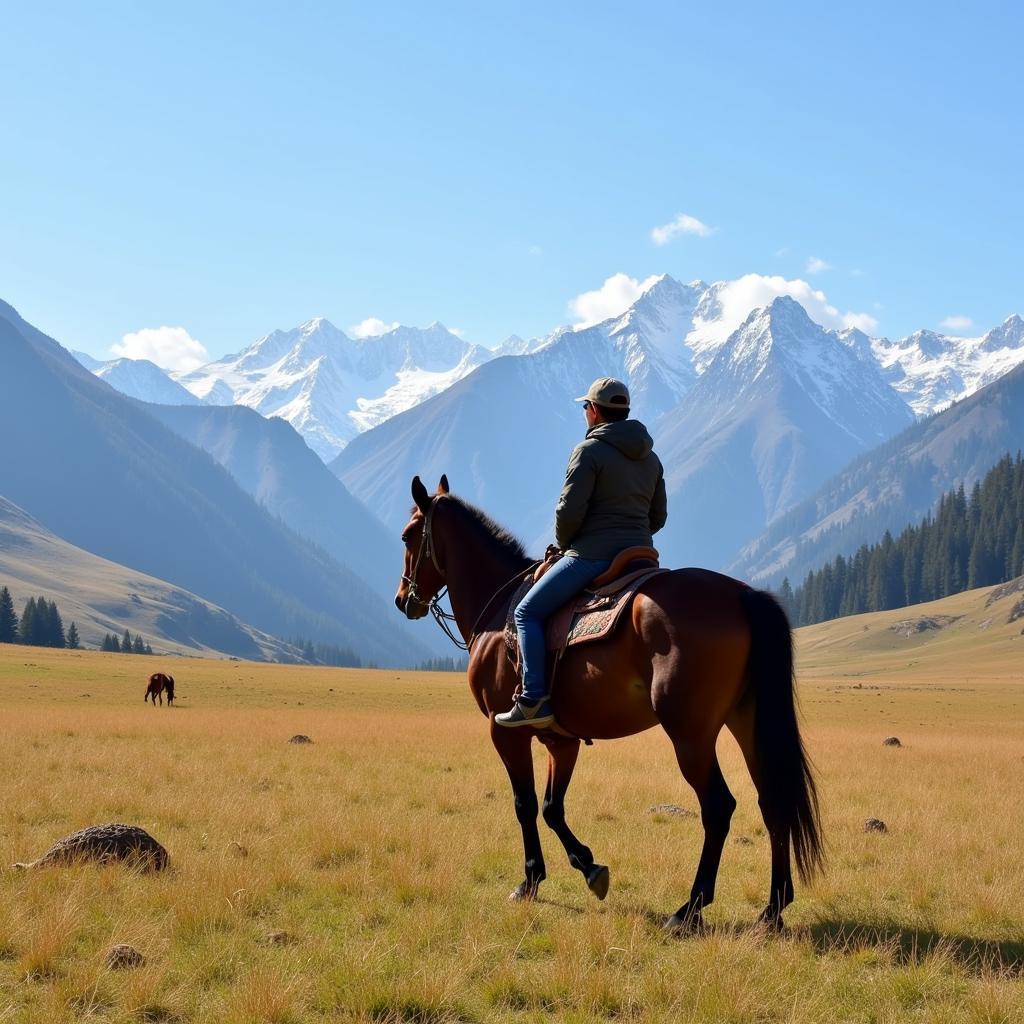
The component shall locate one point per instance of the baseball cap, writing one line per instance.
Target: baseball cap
(609, 392)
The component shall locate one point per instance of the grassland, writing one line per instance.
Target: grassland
(363, 877)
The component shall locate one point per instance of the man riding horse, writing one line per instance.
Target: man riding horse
(613, 498)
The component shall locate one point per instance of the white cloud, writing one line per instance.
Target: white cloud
(615, 296)
(739, 297)
(816, 265)
(957, 323)
(171, 348)
(684, 224)
(371, 327)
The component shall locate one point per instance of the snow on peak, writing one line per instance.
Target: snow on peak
(330, 386)
(932, 370)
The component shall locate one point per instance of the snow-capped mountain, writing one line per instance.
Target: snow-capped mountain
(329, 386)
(139, 378)
(782, 405)
(932, 370)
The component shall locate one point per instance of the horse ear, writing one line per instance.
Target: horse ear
(442, 487)
(419, 495)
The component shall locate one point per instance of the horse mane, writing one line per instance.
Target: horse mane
(495, 538)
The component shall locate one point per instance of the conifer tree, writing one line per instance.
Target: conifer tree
(138, 647)
(72, 637)
(149, 650)
(126, 643)
(29, 628)
(54, 626)
(8, 618)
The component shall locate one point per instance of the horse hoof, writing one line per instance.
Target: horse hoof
(524, 892)
(597, 880)
(679, 925)
(771, 921)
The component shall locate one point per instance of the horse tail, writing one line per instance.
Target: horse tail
(786, 777)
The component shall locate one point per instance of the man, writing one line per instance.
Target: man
(613, 498)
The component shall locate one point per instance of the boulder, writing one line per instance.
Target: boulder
(123, 956)
(106, 844)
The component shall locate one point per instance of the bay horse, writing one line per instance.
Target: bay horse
(696, 651)
(158, 682)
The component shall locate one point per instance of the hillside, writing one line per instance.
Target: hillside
(103, 597)
(892, 485)
(971, 636)
(95, 468)
(272, 463)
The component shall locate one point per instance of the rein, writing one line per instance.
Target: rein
(444, 618)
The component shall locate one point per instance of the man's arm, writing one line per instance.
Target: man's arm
(571, 509)
(659, 505)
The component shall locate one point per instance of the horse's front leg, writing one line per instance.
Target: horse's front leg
(513, 746)
(562, 755)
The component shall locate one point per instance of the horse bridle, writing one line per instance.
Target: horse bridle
(427, 549)
(444, 619)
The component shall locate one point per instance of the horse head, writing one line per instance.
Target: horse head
(422, 575)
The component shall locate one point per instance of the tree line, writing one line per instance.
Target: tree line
(329, 654)
(970, 541)
(41, 625)
(125, 645)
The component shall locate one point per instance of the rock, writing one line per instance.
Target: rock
(299, 738)
(122, 956)
(927, 623)
(891, 741)
(1005, 590)
(875, 825)
(682, 812)
(106, 844)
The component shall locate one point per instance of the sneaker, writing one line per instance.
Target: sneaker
(537, 715)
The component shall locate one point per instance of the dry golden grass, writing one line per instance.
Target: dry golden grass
(363, 877)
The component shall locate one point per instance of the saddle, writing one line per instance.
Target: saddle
(595, 612)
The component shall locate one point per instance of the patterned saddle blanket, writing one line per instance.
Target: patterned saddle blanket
(591, 615)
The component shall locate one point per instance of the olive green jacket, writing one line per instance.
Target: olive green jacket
(614, 493)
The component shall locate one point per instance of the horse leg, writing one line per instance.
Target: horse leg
(514, 750)
(562, 755)
(699, 765)
(741, 724)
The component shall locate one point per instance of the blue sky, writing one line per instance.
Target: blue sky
(233, 168)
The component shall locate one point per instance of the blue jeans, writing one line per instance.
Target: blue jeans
(562, 582)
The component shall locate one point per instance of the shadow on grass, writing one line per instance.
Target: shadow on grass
(911, 945)
(907, 945)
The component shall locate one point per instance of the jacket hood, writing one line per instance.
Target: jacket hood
(629, 436)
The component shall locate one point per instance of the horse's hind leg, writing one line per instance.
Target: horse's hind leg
(514, 749)
(741, 725)
(562, 755)
(699, 765)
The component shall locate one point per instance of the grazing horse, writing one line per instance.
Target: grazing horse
(694, 652)
(158, 682)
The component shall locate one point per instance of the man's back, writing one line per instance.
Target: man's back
(614, 493)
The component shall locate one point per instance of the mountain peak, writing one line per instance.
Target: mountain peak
(1009, 334)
